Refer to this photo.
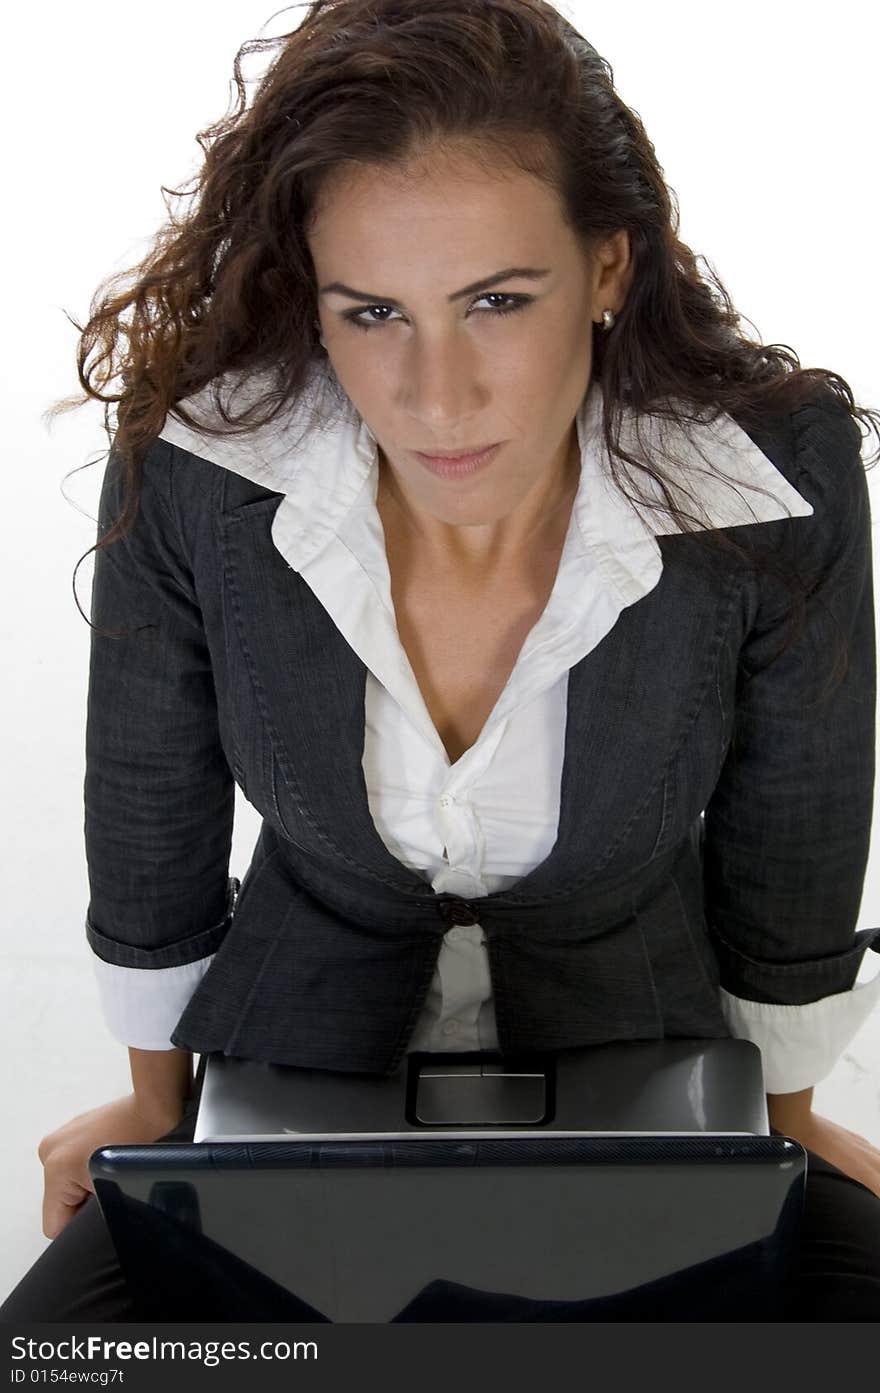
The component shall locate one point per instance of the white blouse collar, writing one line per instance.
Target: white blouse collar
(322, 461)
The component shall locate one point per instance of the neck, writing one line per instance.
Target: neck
(482, 549)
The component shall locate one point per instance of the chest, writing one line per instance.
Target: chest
(463, 637)
(462, 660)
(651, 702)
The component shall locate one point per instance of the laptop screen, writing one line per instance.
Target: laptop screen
(424, 1230)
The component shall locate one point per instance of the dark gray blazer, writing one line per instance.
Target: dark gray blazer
(715, 812)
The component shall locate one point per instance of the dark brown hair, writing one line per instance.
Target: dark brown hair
(229, 287)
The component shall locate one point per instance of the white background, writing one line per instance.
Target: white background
(763, 117)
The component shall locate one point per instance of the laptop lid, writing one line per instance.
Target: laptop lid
(454, 1227)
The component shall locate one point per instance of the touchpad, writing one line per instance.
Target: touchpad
(470, 1094)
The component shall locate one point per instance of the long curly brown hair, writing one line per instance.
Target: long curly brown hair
(229, 287)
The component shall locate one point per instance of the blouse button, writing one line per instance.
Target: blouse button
(456, 912)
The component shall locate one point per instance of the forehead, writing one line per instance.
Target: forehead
(446, 195)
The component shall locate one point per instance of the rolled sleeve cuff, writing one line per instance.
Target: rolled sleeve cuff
(179, 953)
(800, 1045)
(800, 983)
(141, 1006)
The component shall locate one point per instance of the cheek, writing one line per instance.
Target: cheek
(535, 391)
(539, 365)
(363, 379)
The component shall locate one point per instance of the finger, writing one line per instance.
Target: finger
(57, 1216)
(60, 1203)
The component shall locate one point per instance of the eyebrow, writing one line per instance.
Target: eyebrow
(530, 273)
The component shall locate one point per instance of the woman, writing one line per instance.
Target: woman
(567, 743)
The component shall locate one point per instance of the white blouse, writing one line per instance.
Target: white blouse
(480, 824)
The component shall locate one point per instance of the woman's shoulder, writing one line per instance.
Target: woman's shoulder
(817, 447)
(194, 477)
(830, 472)
(822, 457)
(820, 436)
(206, 442)
(828, 442)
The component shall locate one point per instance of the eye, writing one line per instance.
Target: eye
(513, 303)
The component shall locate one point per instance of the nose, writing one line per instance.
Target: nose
(443, 384)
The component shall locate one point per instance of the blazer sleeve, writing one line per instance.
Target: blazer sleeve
(788, 826)
(158, 793)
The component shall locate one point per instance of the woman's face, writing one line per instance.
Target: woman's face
(432, 364)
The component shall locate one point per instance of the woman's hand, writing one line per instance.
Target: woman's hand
(849, 1152)
(65, 1154)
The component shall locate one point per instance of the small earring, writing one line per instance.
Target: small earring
(608, 318)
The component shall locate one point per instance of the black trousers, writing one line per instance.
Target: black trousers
(836, 1275)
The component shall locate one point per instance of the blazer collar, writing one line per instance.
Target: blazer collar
(325, 460)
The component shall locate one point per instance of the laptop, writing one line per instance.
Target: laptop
(632, 1180)
(620, 1088)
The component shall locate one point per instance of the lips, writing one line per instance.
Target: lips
(461, 465)
(466, 452)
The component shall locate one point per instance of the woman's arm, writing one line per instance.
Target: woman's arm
(162, 1082)
(789, 1111)
(159, 794)
(788, 824)
(854, 1155)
